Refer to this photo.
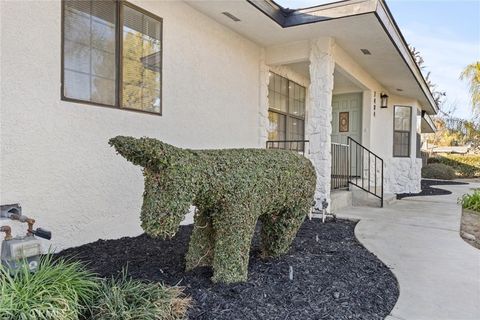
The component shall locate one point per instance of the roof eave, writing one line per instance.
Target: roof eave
(286, 18)
(391, 28)
(430, 124)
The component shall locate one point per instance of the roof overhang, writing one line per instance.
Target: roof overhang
(427, 124)
(354, 24)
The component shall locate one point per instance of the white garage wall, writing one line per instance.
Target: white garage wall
(55, 160)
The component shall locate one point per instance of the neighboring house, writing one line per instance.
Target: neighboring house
(198, 74)
(452, 149)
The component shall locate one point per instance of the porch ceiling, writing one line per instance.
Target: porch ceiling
(353, 24)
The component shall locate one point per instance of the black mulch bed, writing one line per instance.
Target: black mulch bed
(428, 190)
(334, 277)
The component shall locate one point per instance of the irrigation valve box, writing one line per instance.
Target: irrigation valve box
(20, 250)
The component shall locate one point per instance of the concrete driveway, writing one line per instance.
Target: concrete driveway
(418, 238)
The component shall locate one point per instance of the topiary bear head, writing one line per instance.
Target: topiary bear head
(169, 185)
(146, 152)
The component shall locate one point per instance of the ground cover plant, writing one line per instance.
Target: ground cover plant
(123, 298)
(471, 201)
(59, 290)
(438, 171)
(231, 189)
(65, 289)
(464, 166)
(334, 276)
(470, 226)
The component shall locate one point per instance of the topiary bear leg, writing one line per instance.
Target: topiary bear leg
(200, 248)
(233, 237)
(278, 231)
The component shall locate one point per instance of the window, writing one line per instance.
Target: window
(286, 113)
(419, 134)
(402, 131)
(112, 55)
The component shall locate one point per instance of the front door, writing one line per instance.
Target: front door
(346, 122)
(347, 117)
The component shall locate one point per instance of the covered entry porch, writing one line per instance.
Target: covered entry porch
(359, 38)
(325, 116)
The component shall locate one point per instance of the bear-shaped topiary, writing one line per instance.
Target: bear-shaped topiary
(231, 190)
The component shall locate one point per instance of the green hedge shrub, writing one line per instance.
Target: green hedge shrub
(59, 290)
(231, 189)
(471, 201)
(465, 166)
(127, 299)
(438, 171)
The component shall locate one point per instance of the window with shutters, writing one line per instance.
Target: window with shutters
(402, 131)
(112, 55)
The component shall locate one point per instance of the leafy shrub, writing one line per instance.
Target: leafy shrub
(58, 290)
(438, 171)
(471, 201)
(465, 166)
(434, 160)
(231, 189)
(127, 299)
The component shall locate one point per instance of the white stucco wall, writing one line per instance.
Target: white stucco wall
(55, 160)
(402, 175)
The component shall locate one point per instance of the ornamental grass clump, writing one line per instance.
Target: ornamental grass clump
(231, 190)
(59, 290)
(471, 201)
(128, 299)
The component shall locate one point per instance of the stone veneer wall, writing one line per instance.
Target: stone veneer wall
(263, 99)
(403, 175)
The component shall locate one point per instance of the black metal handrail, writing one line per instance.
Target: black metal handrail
(293, 145)
(359, 156)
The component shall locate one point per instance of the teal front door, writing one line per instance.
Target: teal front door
(346, 122)
(346, 117)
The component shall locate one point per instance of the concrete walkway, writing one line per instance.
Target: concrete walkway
(418, 238)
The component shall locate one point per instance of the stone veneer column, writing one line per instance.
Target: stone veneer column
(263, 99)
(319, 127)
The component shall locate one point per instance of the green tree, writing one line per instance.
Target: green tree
(437, 94)
(471, 74)
(455, 132)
